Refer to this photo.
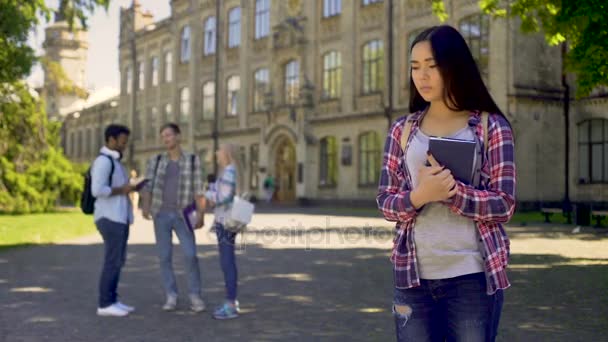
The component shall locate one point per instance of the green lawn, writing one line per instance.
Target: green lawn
(19, 230)
(519, 218)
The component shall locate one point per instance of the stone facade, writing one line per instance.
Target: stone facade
(327, 148)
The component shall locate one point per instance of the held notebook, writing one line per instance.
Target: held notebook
(456, 155)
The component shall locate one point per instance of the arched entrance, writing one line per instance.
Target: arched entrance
(285, 170)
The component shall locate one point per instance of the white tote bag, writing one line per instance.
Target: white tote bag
(240, 215)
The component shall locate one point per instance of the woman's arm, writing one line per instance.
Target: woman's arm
(393, 197)
(497, 203)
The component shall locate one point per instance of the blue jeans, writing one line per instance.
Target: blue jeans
(226, 242)
(115, 236)
(164, 224)
(455, 309)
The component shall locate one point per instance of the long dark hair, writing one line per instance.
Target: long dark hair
(463, 87)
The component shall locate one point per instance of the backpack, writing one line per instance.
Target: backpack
(87, 200)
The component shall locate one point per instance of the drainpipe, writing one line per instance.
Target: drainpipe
(567, 205)
(388, 109)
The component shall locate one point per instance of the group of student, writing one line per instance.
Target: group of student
(174, 181)
(450, 249)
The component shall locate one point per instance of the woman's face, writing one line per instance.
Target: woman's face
(222, 156)
(425, 72)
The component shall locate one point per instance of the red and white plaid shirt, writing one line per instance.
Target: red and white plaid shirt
(489, 205)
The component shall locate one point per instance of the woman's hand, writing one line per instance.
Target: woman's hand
(436, 184)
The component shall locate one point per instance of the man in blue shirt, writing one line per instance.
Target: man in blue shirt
(113, 214)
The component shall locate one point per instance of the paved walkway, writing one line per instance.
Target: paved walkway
(302, 278)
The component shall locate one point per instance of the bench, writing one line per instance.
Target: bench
(599, 215)
(548, 212)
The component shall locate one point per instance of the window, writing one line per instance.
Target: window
(129, 80)
(373, 67)
(260, 88)
(331, 8)
(328, 172)
(185, 46)
(234, 27)
(209, 38)
(254, 153)
(140, 76)
(79, 145)
(169, 113)
(292, 82)
(234, 85)
(475, 30)
(89, 143)
(184, 106)
(209, 100)
(410, 40)
(72, 145)
(369, 2)
(593, 151)
(332, 75)
(137, 121)
(168, 66)
(153, 124)
(262, 18)
(154, 71)
(369, 158)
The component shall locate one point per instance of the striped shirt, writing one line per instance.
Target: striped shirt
(489, 205)
(223, 192)
(189, 185)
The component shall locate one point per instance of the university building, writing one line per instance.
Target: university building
(309, 88)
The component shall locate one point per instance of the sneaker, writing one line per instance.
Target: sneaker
(225, 311)
(196, 303)
(125, 307)
(112, 310)
(237, 306)
(171, 303)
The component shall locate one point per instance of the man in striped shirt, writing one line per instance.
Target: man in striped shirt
(175, 181)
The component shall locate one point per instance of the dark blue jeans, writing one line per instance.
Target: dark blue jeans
(115, 236)
(455, 309)
(226, 242)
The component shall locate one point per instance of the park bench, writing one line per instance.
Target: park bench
(599, 215)
(550, 211)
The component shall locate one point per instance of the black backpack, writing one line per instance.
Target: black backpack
(87, 201)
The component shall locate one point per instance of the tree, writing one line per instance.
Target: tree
(582, 24)
(34, 173)
(19, 17)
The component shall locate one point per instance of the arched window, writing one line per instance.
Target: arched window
(369, 158)
(292, 81)
(475, 30)
(373, 67)
(332, 75)
(185, 46)
(232, 98)
(328, 162)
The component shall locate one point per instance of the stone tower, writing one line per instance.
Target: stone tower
(67, 49)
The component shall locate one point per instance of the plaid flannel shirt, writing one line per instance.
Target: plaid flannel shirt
(190, 185)
(489, 205)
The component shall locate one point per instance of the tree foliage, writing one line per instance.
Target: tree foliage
(582, 24)
(34, 173)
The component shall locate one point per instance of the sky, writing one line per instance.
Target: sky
(102, 62)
